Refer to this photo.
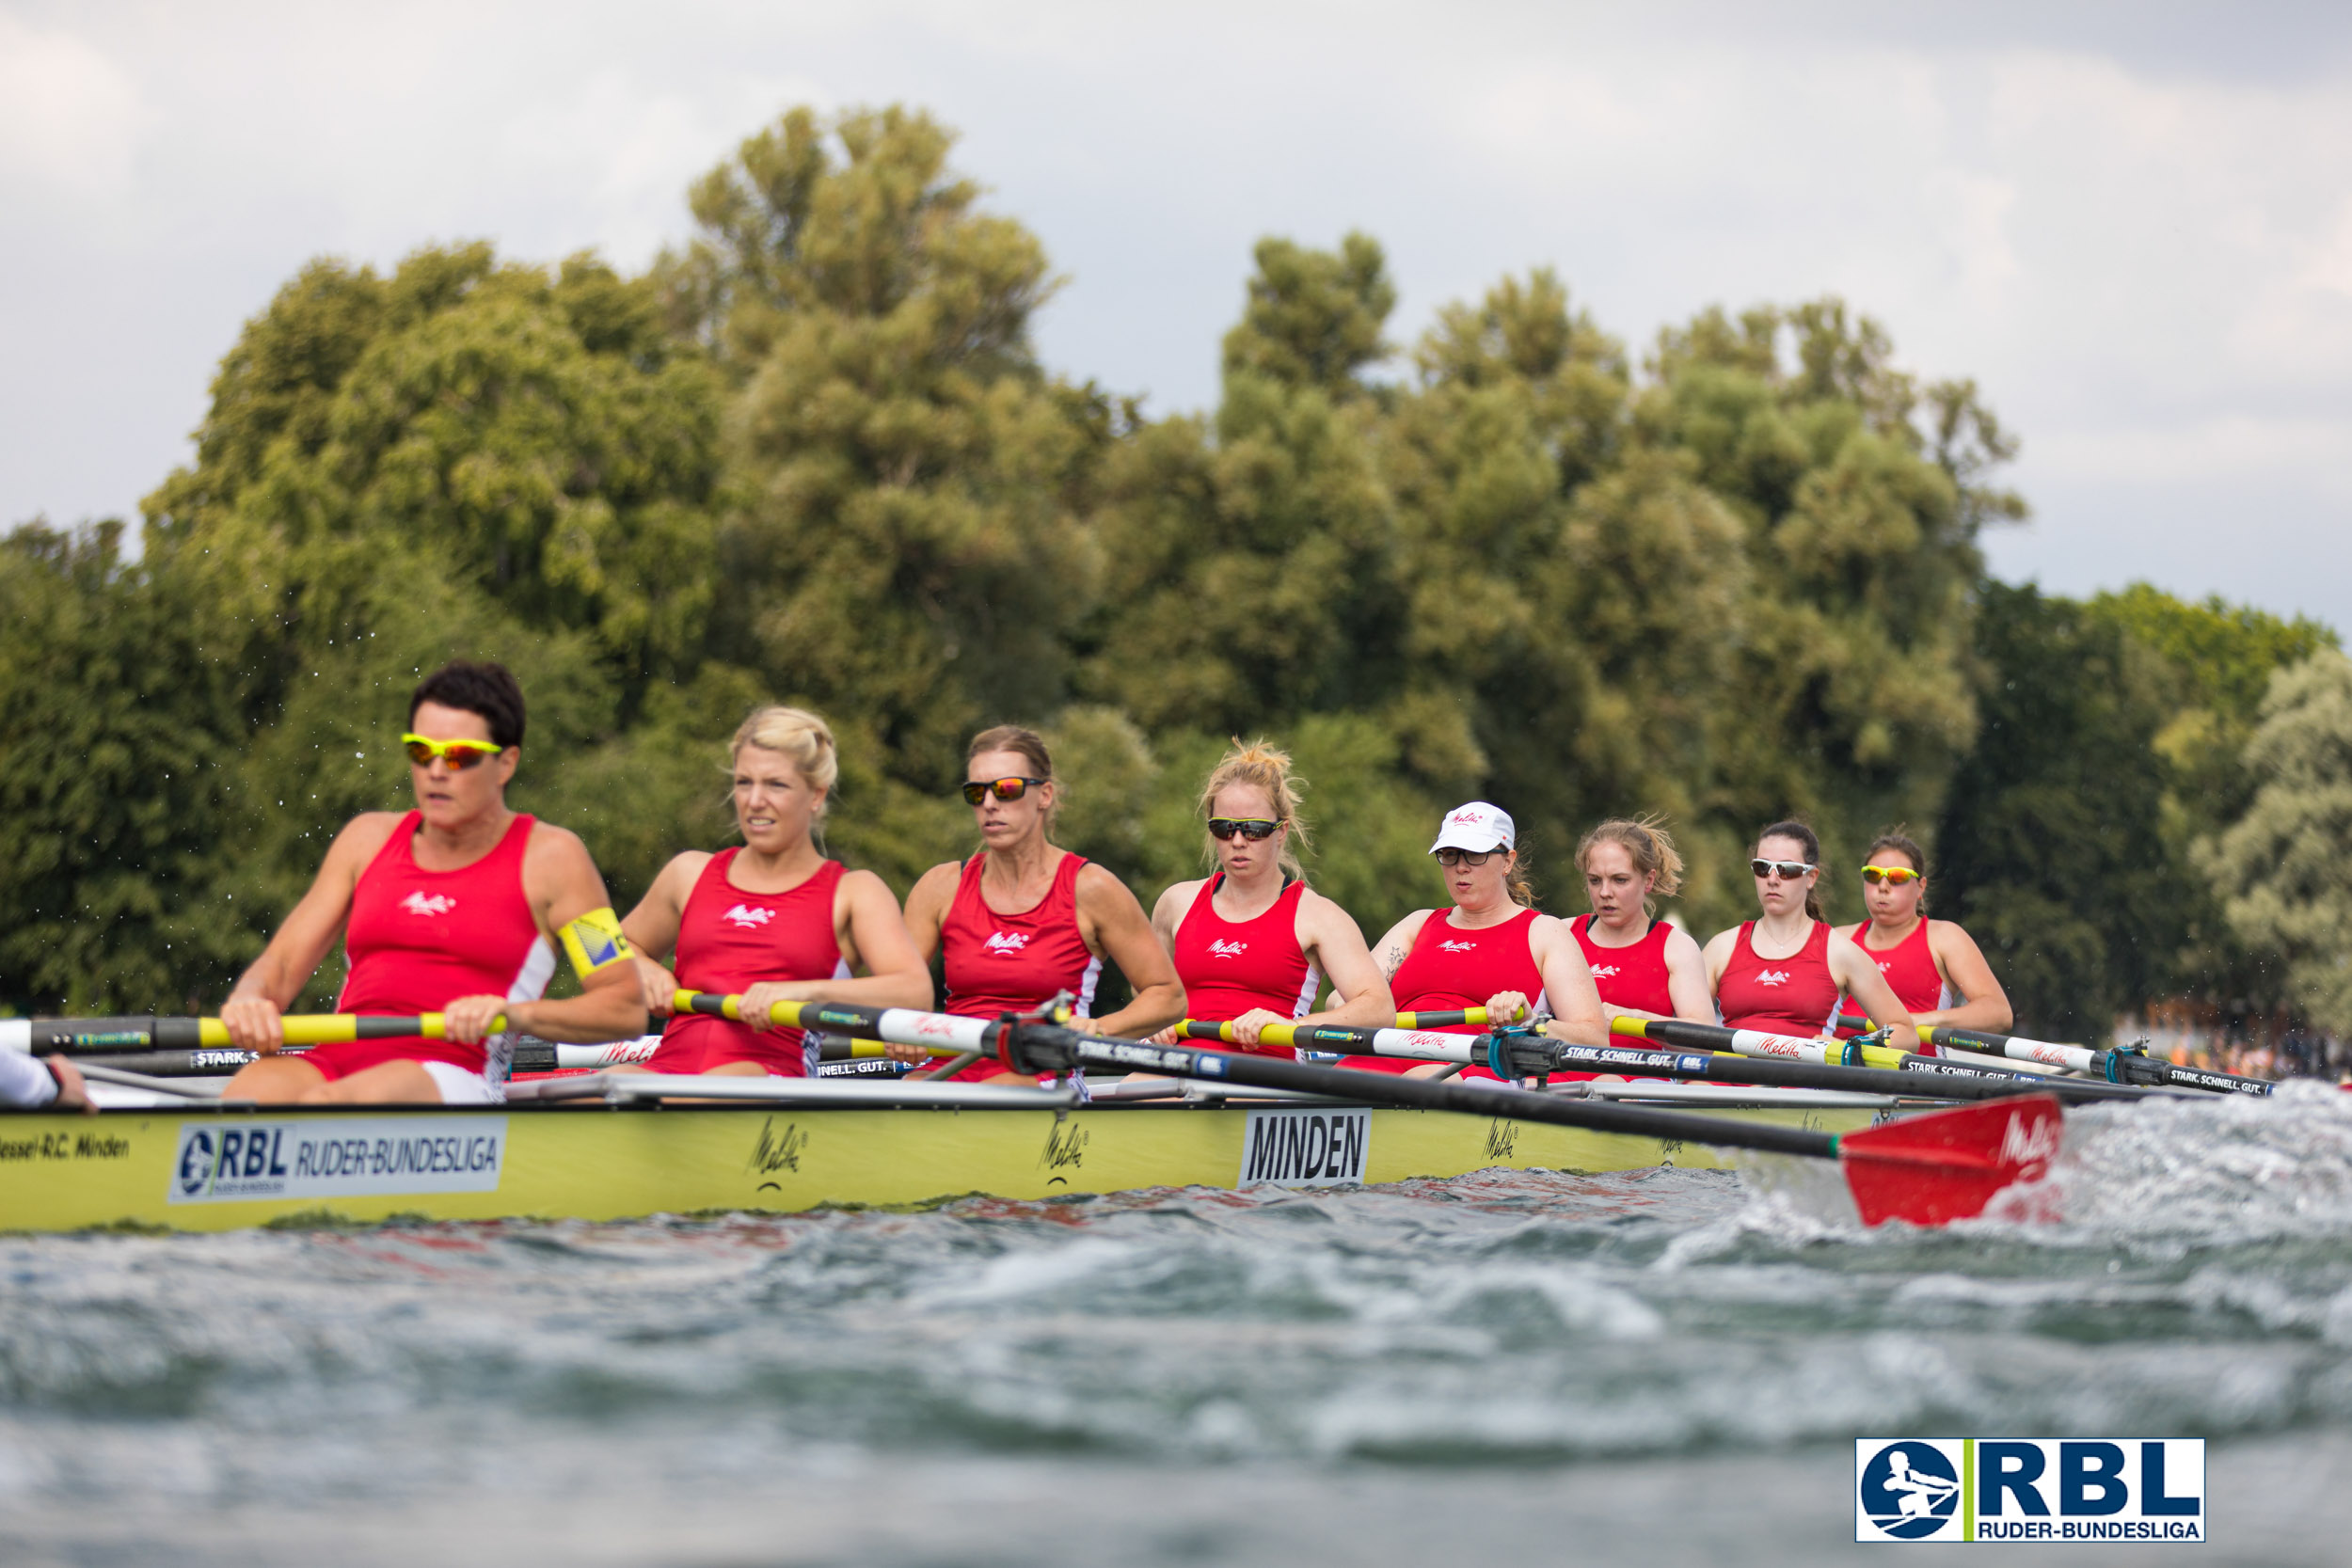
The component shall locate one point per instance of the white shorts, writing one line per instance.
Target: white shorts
(460, 1088)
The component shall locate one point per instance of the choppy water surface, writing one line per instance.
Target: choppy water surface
(1660, 1367)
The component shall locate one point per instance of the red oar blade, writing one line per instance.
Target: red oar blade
(1947, 1165)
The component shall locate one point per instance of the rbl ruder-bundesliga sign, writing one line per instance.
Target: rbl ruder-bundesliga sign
(2029, 1489)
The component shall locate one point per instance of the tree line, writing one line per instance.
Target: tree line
(810, 454)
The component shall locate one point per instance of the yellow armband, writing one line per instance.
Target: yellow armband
(594, 942)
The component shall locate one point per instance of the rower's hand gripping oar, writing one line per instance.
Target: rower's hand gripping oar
(2124, 1065)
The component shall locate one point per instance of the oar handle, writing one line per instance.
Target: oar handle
(79, 1036)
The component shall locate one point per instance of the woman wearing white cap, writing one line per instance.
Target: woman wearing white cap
(1492, 949)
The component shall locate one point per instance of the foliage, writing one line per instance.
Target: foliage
(811, 456)
(2284, 870)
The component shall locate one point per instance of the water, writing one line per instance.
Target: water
(1660, 1367)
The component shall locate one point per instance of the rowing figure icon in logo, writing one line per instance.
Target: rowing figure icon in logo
(1909, 1490)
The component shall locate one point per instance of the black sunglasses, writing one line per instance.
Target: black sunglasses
(1251, 828)
(1004, 789)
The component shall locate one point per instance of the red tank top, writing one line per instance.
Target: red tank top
(417, 940)
(1450, 968)
(1632, 976)
(1227, 967)
(730, 937)
(1910, 970)
(1008, 963)
(1784, 996)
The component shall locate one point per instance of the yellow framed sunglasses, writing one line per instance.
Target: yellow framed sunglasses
(459, 755)
(1893, 876)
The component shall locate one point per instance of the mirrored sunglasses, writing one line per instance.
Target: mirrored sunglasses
(1893, 876)
(459, 755)
(1251, 827)
(1004, 789)
(1787, 871)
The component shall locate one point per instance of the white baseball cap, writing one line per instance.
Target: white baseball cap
(1477, 827)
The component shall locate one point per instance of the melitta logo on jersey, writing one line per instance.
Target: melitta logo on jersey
(2029, 1489)
(1223, 949)
(1772, 977)
(237, 1161)
(1457, 947)
(431, 906)
(1008, 942)
(744, 915)
(1605, 971)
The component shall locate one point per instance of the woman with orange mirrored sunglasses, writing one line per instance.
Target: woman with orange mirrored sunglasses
(1025, 918)
(1935, 968)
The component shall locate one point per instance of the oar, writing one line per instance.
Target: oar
(2116, 1066)
(1929, 1168)
(75, 1036)
(1790, 1048)
(1518, 1054)
(530, 1056)
(1474, 1017)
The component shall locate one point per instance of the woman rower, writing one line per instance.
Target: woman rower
(1934, 968)
(1252, 943)
(1025, 919)
(773, 920)
(1491, 949)
(1781, 973)
(1642, 966)
(456, 908)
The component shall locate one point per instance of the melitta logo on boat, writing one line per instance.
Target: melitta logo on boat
(744, 915)
(1305, 1148)
(2029, 1489)
(2029, 1143)
(431, 905)
(1223, 949)
(1008, 942)
(239, 1161)
(1772, 977)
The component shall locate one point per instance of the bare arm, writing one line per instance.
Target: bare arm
(1717, 958)
(1569, 982)
(1852, 969)
(926, 908)
(563, 884)
(276, 977)
(1168, 913)
(867, 916)
(652, 927)
(1336, 944)
(1985, 1004)
(1113, 924)
(1391, 950)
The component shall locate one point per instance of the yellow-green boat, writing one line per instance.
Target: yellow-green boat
(211, 1167)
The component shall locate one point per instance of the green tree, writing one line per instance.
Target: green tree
(2052, 849)
(2284, 870)
(907, 551)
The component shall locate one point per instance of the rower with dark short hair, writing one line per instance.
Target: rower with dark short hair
(1781, 973)
(1023, 918)
(1934, 967)
(456, 908)
(773, 921)
(1252, 942)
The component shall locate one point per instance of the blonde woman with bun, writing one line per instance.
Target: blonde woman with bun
(773, 920)
(1643, 966)
(1252, 942)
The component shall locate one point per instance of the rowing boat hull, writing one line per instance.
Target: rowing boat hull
(216, 1170)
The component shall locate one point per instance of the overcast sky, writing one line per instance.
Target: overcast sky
(2131, 223)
